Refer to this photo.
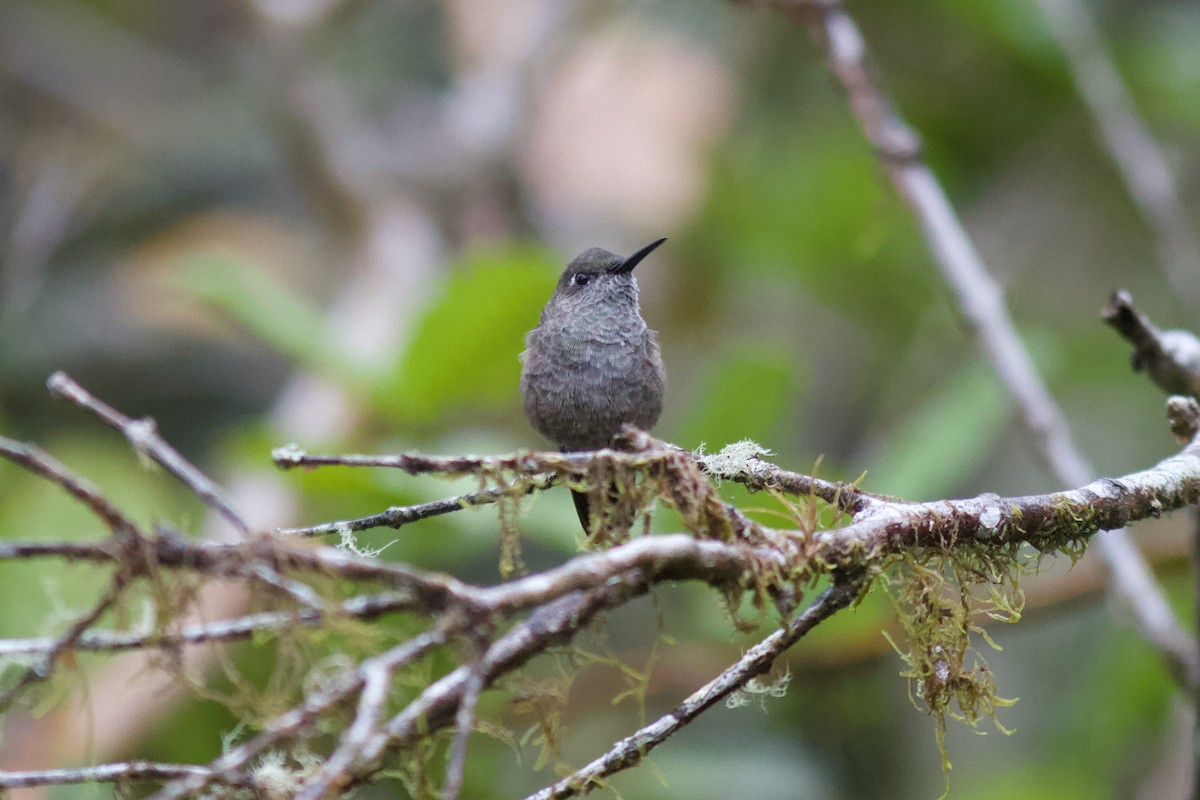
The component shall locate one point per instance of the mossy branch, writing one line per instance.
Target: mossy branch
(952, 543)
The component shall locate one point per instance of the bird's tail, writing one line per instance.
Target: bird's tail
(581, 508)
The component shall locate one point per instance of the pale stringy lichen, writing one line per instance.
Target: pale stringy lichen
(732, 460)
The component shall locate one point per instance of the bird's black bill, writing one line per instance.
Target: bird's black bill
(628, 264)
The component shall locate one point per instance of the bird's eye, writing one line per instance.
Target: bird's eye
(581, 279)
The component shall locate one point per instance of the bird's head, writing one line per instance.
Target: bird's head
(597, 276)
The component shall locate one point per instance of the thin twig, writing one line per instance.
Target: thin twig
(981, 304)
(364, 607)
(631, 750)
(1170, 358)
(1195, 727)
(144, 439)
(298, 591)
(399, 516)
(376, 675)
(104, 773)
(294, 722)
(529, 463)
(66, 642)
(756, 473)
(464, 726)
(42, 463)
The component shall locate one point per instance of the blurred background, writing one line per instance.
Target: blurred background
(330, 222)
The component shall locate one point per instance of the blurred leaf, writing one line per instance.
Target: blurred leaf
(464, 352)
(743, 395)
(1044, 780)
(944, 441)
(1165, 64)
(818, 212)
(1020, 25)
(284, 320)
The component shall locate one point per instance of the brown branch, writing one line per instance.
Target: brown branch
(563, 600)
(980, 302)
(42, 463)
(1170, 358)
(631, 750)
(124, 771)
(363, 607)
(64, 643)
(399, 516)
(143, 437)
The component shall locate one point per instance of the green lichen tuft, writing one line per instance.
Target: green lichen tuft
(936, 598)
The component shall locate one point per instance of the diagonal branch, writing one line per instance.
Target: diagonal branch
(1171, 358)
(630, 751)
(981, 304)
(43, 670)
(144, 439)
(42, 463)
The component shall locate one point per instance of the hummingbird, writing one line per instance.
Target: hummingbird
(592, 364)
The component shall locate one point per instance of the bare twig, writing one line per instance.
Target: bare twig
(364, 607)
(745, 463)
(66, 642)
(104, 773)
(42, 463)
(561, 601)
(464, 726)
(1170, 358)
(981, 304)
(1195, 701)
(143, 437)
(529, 463)
(298, 591)
(399, 516)
(293, 722)
(631, 750)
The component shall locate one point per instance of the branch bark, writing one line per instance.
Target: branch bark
(980, 302)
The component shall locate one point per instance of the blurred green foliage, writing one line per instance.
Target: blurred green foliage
(462, 352)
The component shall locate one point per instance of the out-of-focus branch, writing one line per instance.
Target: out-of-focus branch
(142, 435)
(45, 668)
(631, 750)
(981, 304)
(513, 622)
(42, 463)
(104, 773)
(1133, 149)
(365, 607)
(1170, 358)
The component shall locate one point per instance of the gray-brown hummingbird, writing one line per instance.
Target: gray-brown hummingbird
(592, 364)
